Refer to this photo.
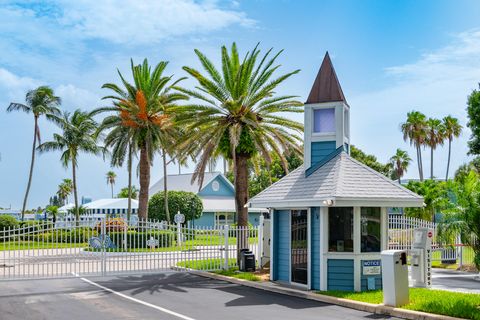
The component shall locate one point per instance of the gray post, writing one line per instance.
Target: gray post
(225, 253)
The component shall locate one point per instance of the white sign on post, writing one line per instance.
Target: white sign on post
(179, 218)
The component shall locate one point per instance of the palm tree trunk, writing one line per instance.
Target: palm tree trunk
(431, 163)
(165, 191)
(129, 164)
(35, 132)
(111, 185)
(75, 194)
(144, 183)
(449, 153)
(420, 161)
(241, 198)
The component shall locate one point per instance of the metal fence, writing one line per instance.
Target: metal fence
(400, 237)
(112, 246)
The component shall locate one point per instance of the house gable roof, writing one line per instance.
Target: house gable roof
(341, 179)
(183, 182)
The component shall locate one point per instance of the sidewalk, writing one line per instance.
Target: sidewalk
(368, 307)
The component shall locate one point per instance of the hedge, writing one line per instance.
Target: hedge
(137, 240)
(80, 235)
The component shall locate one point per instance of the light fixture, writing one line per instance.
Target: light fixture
(328, 202)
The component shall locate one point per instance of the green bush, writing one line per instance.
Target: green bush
(80, 235)
(188, 203)
(137, 240)
(7, 221)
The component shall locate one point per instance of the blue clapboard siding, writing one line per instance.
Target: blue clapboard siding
(364, 281)
(207, 219)
(315, 248)
(320, 150)
(281, 245)
(225, 189)
(340, 274)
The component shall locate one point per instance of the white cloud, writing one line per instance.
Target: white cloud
(14, 86)
(74, 97)
(437, 84)
(141, 21)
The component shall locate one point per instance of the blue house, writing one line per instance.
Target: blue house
(329, 216)
(218, 198)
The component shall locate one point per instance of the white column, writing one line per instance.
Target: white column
(309, 249)
(384, 228)
(323, 248)
(272, 243)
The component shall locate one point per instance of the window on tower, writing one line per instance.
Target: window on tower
(324, 120)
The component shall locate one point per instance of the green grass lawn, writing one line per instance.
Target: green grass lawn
(25, 245)
(454, 304)
(214, 240)
(233, 272)
(207, 264)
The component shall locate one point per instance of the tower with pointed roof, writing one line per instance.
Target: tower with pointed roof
(327, 118)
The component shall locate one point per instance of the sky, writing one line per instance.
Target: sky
(391, 57)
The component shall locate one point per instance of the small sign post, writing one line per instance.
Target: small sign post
(179, 219)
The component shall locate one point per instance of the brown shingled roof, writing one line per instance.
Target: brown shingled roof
(326, 87)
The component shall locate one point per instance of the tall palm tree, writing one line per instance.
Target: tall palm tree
(111, 177)
(399, 163)
(239, 115)
(414, 130)
(435, 137)
(64, 190)
(120, 140)
(78, 135)
(39, 102)
(144, 108)
(453, 129)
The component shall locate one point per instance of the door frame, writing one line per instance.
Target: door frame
(301, 285)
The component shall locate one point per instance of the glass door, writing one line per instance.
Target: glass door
(299, 246)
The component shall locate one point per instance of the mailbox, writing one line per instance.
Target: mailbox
(395, 278)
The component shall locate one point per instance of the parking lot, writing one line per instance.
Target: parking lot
(171, 295)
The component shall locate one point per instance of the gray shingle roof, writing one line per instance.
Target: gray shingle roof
(182, 182)
(343, 180)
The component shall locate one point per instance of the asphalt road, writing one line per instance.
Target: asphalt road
(161, 296)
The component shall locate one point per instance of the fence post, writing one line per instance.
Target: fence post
(225, 251)
(179, 233)
(260, 241)
(104, 255)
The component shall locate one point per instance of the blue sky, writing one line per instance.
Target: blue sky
(390, 56)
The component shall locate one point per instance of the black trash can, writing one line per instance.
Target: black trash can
(247, 260)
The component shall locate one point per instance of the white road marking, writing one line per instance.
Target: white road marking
(173, 313)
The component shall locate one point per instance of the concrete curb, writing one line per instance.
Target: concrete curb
(362, 306)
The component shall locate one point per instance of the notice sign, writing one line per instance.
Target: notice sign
(371, 267)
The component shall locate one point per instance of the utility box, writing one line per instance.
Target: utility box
(395, 278)
(421, 257)
(247, 261)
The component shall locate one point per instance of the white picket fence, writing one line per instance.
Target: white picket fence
(400, 237)
(112, 246)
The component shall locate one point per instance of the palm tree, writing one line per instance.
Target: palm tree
(239, 116)
(453, 129)
(399, 163)
(78, 135)
(435, 137)
(64, 190)
(143, 109)
(41, 101)
(111, 176)
(414, 130)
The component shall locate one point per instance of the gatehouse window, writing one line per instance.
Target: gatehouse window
(324, 120)
(370, 229)
(340, 229)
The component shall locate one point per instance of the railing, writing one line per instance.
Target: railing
(400, 237)
(112, 246)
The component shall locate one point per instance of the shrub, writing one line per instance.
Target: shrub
(136, 240)
(80, 235)
(7, 221)
(188, 203)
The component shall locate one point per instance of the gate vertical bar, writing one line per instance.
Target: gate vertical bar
(225, 267)
(104, 235)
